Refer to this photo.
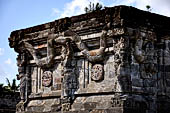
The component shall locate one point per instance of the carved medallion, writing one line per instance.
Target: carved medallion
(97, 72)
(47, 78)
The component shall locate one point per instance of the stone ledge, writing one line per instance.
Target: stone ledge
(44, 95)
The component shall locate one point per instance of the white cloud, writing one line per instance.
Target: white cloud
(76, 7)
(161, 6)
(158, 6)
(8, 71)
(1, 51)
(4, 74)
(55, 12)
(122, 2)
(8, 61)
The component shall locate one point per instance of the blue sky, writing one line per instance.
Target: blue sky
(19, 14)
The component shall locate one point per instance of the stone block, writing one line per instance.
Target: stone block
(149, 83)
(45, 94)
(137, 89)
(168, 82)
(137, 82)
(56, 87)
(89, 105)
(37, 109)
(150, 90)
(77, 106)
(167, 60)
(106, 105)
(70, 112)
(56, 93)
(113, 110)
(167, 75)
(56, 108)
(167, 90)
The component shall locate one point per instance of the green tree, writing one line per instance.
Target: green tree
(11, 87)
(148, 7)
(98, 6)
(93, 7)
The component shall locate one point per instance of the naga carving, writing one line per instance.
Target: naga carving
(66, 56)
(52, 40)
(47, 61)
(92, 56)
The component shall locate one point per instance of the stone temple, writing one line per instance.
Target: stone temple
(116, 60)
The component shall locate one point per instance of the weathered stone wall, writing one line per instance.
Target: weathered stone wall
(112, 61)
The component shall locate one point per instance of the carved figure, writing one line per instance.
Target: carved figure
(21, 76)
(138, 53)
(144, 54)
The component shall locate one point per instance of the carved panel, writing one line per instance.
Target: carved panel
(97, 72)
(47, 78)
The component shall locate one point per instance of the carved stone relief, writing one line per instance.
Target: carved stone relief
(145, 54)
(43, 62)
(20, 107)
(21, 76)
(144, 47)
(66, 107)
(65, 102)
(47, 78)
(138, 53)
(94, 55)
(97, 73)
(120, 50)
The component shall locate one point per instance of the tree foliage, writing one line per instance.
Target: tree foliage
(93, 7)
(11, 87)
(148, 7)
